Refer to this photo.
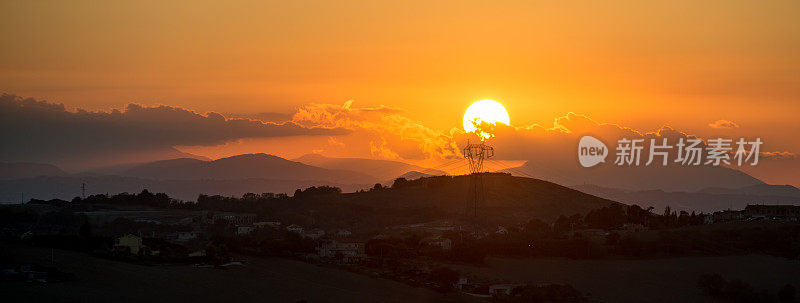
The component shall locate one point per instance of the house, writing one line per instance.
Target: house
(187, 235)
(234, 218)
(774, 212)
(438, 241)
(727, 215)
(129, 242)
(244, 229)
(272, 224)
(295, 228)
(198, 253)
(346, 250)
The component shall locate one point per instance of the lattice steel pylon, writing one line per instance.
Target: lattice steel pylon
(475, 154)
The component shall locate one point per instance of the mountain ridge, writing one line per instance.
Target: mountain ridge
(380, 169)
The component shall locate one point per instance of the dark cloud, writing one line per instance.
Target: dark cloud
(39, 131)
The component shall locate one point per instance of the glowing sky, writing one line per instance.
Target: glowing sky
(640, 64)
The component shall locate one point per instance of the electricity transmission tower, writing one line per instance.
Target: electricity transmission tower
(475, 154)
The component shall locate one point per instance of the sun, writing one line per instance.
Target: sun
(488, 111)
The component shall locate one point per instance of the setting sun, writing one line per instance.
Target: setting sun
(488, 111)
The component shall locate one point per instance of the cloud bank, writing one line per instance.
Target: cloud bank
(38, 131)
(386, 132)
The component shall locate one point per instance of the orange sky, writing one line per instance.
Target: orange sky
(642, 64)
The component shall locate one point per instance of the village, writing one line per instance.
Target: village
(418, 254)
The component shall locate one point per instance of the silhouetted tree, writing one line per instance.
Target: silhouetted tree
(536, 226)
(400, 182)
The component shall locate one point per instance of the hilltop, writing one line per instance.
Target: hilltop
(509, 200)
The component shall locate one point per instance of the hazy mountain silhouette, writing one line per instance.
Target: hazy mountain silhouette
(380, 169)
(413, 175)
(10, 171)
(246, 166)
(757, 190)
(667, 178)
(707, 200)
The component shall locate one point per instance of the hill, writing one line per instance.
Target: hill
(757, 190)
(246, 166)
(413, 175)
(380, 169)
(509, 200)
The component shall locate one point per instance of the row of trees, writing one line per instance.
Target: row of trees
(145, 197)
(615, 216)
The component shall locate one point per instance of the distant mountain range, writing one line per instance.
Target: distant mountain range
(706, 200)
(380, 169)
(698, 188)
(247, 166)
(185, 178)
(667, 178)
(10, 171)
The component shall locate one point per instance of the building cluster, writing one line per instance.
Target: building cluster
(346, 250)
(756, 212)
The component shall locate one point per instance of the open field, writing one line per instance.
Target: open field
(262, 280)
(650, 280)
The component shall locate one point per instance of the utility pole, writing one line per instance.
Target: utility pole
(83, 191)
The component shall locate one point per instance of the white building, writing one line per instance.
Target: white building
(235, 218)
(272, 224)
(244, 229)
(130, 242)
(295, 228)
